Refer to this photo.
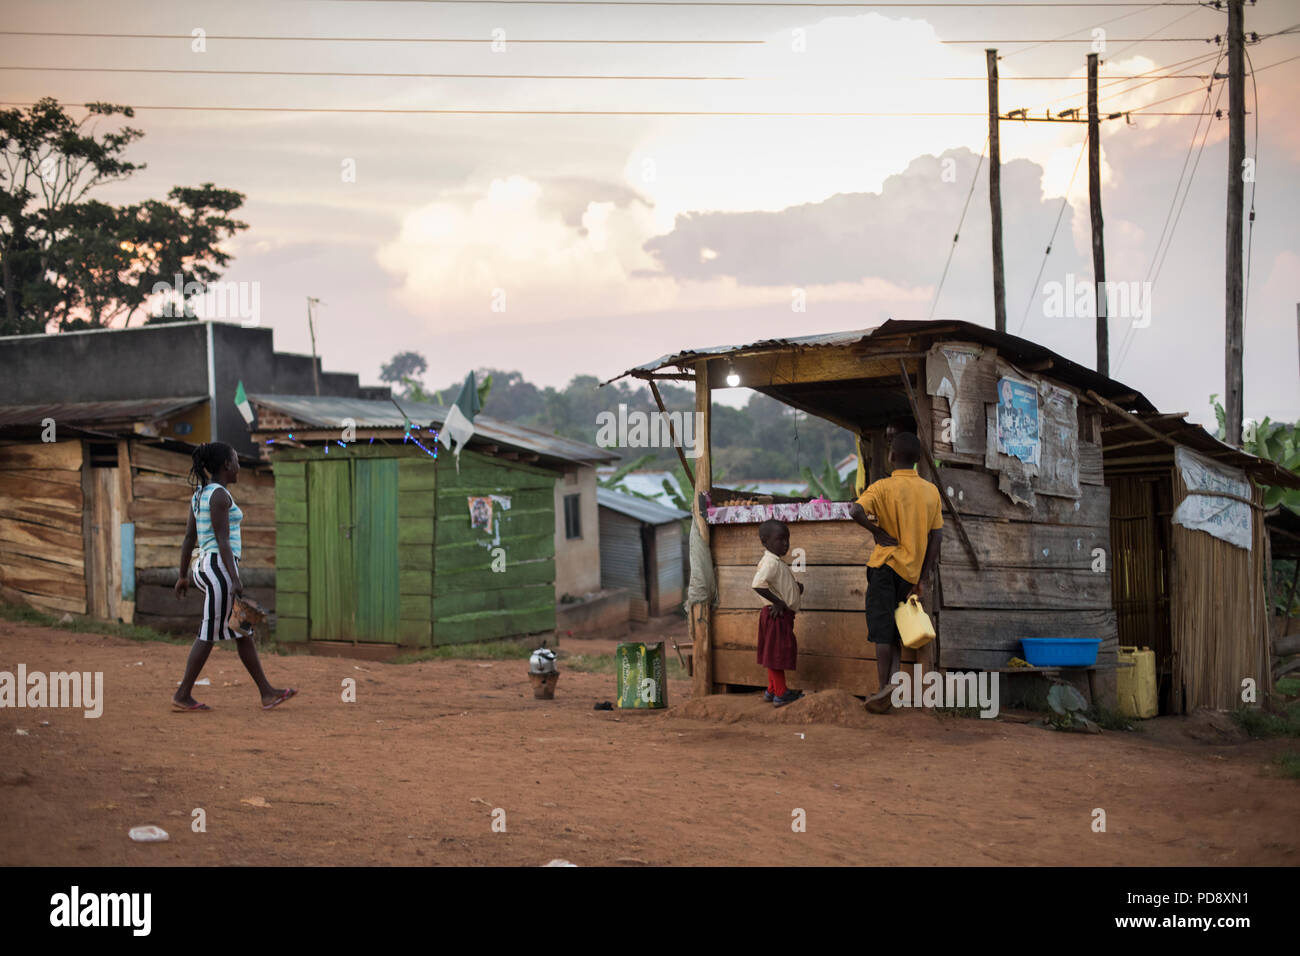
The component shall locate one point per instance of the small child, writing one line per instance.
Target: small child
(774, 582)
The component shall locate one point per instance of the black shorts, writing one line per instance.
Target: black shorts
(886, 589)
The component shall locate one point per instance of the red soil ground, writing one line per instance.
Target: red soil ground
(411, 774)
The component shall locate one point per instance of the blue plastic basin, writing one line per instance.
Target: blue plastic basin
(1061, 651)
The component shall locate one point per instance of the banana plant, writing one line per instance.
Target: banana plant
(829, 484)
(1276, 441)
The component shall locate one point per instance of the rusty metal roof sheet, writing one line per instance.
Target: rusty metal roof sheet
(1011, 346)
(1015, 349)
(102, 415)
(328, 411)
(642, 509)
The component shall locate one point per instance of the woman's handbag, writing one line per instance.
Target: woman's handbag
(245, 615)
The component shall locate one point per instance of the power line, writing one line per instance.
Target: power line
(305, 39)
(1052, 238)
(544, 112)
(956, 235)
(1060, 40)
(521, 76)
(1063, 36)
(343, 73)
(1061, 4)
(1158, 258)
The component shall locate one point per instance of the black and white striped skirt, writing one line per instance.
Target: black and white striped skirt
(218, 597)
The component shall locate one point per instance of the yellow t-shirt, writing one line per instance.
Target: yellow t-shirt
(908, 508)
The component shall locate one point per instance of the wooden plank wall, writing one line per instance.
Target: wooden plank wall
(1036, 576)
(42, 546)
(471, 601)
(831, 628)
(417, 483)
(158, 505)
(290, 550)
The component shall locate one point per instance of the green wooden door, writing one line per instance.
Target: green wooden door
(330, 576)
(374, 548)
(352, 550)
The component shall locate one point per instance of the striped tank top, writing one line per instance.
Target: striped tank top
(200, 504)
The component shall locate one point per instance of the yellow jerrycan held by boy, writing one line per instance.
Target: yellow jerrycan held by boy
(914, 625)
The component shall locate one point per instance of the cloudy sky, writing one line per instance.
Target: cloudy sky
(560, 244)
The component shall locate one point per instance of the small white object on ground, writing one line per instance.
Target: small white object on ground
(800, 736)
(558, 862)
(22, 733)
(148, 834)
(206, 682)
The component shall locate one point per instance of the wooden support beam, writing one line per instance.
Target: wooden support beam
(1114, 426)
(1131, 419)
(677, 442)
(702, 614)
(923, 432)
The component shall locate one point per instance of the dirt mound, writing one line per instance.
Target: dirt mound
(1213, 727)
(837, 707)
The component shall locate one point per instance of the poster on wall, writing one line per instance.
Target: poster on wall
(1216, 499)
(1017, 420)
(480, 512)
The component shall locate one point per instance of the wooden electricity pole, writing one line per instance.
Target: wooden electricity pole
(1094, 207)
(1236, 197)
(995, 196)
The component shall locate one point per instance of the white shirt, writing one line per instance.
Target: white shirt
(775, 575)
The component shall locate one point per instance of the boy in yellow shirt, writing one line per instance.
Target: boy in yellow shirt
(905, 520)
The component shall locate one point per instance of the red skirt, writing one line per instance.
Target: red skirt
(777, 649)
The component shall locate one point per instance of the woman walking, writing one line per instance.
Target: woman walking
(214, 527)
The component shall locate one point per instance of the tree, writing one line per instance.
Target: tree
(403, 369)
(69, 261)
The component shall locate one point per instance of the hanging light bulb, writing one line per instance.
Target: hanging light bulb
(732, 378)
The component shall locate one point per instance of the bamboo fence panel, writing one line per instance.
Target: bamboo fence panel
(1220, 613)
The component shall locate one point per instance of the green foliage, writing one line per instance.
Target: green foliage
(1288, 765)
(764, 439)
(414, 391)
(828, 484)
(1068, 707)
(404, 369)
(1261, 723)
(1276, 441)
(75, 262)
(615, 481)
(1111, 719)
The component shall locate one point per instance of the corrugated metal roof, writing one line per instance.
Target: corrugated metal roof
(328, 411)
(1012, 346)
(1120, 431)
(650, 512)
(1017, 350)
(101, 414)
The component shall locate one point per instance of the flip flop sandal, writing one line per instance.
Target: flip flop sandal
(280, 700)
(185, 709)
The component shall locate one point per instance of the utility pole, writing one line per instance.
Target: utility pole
(995, 196)
(1236, 198)
(1094, 207)
(311, 327)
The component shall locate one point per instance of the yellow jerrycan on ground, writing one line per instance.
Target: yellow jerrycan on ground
(914, 625)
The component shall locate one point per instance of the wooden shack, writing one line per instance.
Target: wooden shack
(1032, 455)
(385, 539)
(92, 520)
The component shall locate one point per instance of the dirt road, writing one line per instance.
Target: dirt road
(416, 770)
